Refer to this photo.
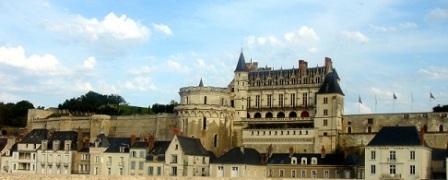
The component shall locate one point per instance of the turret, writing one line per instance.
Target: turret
(240, 87)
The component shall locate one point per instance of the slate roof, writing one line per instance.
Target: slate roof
(241, 66)
(201, 83)
(3, 142)
(236, 156)
(35, 136)
(116, 143)
(62, 136)
(140, 145)
(331, 84)
(396, 136)
(329, 159)
(84, 149)
(160, 147)
(103, 141)
(192, 146)
(439, 154)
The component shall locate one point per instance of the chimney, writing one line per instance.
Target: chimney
(176, 131)
(133, 139)
(242, 149)
(151, 142)
(422, 136)
(328, 64)
(322, 152)
(303, 65)
(291, 151)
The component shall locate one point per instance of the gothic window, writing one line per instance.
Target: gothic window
(268, 115)
(305, 99)
(204, 123)
(215, 141)
(281, 82)
(304, 114)
(248, 115)
(257, 101)
(293, 100)
(257, 115)
(280, 100)
(293, 81)
(269, 101)
(280, 115)
(293, 114)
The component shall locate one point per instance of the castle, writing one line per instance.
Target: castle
(299, 108)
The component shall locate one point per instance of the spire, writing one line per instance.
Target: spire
(241, 66)
(330, 84)
(201, 84)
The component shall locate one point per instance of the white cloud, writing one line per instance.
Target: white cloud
(163, 28)
(383, 28)
(304, 33)
(7, 97)
(141, 84)
(175, 66)
(407, 25)
(16, 57)
(363, 108)
(355, 35)
(111, 27)
(435, 73)
(89, 63)
(437, 15)
(83, 86)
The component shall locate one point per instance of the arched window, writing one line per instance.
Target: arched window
(281, 115)
(215, 141)
(369, 129)
(205, 99)
(293, 114)
(441, 128)
(305, 114)
(257, 115)
(248, 115)
(268, 115)
(349, 130)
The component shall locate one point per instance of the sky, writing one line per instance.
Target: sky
(145, 51)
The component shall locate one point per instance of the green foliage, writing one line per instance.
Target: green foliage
(439, 108)
(15, 114)
(95, 102)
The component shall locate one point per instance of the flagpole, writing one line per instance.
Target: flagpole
(412, 103)
(375, 103)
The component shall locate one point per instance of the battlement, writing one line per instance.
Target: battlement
(203, 89)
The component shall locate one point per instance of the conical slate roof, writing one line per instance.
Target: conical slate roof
(201, 84)
(331, 84)
(241, 66)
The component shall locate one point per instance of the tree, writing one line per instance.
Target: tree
(439, 108)
(94, 102)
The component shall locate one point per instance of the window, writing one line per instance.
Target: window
(133, 154)
(215, 140)
(269, 100)
(159, 171)
(412, 169)
(325, 100)
(372, 155)
(174, 159)
(205, 99)
(204, 123)
(392, 169)
(293, 160)
(303, 161)
(142, 154)
(372, 169)
(173, 171)
(370, 121)
(313, 160)
(325, 122)
(121, 171)
(293, 173)
(176, 147)
(270, 173)
(95, 171)
(257, 101)
(281, 173)
(293, 100)
(412, 154)
(97, 159)
(132, 164)
(248, 102)
(392, 156)
(109, 172)
(314, 174)
(305, 99)
(280, 100)
(140, 165)
(150, 170)
(326, 174)
(325, 112)
(109, 160)
(303, 174)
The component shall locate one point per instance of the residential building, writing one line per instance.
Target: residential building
(137, 156)
(239, 162)
(115, 159)
(55, 154)
(186, 156)
(24, 160)
(155, 160)
(398, 152)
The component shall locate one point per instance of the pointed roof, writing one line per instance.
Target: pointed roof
(241, 66)
(192, 146)
(331, 84)
(35, 136)
(201, 84)
(396, 136)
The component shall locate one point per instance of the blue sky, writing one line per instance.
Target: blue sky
(146, 50)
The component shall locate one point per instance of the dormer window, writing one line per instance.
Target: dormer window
(67, 145)
(44, 145)
(293, 160)
(313, 160)
(97, 144)
(55, 145)
(303, 161)
(122, 149)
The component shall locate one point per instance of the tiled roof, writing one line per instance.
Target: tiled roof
(396, 136)
(284, 158)
(35, 136)
(192, 146)
(241, 66)
(331, 84)
(236, 156)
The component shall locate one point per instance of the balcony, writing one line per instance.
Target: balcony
(391, 176)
